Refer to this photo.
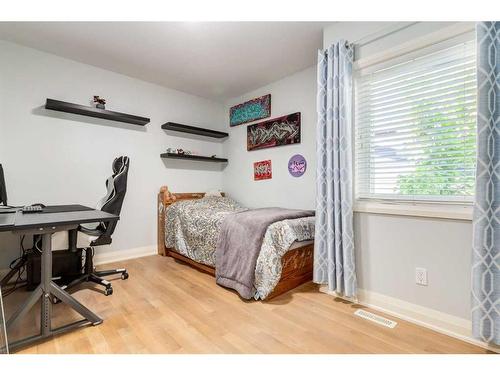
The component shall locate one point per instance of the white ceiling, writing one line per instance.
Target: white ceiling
(217, 60)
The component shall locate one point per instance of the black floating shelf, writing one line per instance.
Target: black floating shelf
(193, 130)
(169, 155)
(57, 105)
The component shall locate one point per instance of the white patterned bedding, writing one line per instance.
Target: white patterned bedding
(192, 229)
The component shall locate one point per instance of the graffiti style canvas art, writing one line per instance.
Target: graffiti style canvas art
(280, 131)
(262, 170)
(251, 110)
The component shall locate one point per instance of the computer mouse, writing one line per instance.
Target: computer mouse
(39, 205)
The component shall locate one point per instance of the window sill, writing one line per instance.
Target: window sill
(441, 211)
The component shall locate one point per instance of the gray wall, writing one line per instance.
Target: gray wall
(53, 157)
(388, 248)
(296, 93)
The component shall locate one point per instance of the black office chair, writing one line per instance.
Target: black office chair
(100, 234)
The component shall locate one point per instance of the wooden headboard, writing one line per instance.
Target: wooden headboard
(165, 199)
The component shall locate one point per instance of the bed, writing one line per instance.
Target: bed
(281, 265)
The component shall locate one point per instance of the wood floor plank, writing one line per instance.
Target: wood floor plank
(168, 307)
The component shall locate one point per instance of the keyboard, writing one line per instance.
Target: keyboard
(31, 209)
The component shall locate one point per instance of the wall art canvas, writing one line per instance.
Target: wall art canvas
(297, 165)
(251, 110)
(280, 131)
(262, 170)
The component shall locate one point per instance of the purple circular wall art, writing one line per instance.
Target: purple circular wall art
(297, 165)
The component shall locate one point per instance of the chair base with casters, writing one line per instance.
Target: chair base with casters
(90, 274)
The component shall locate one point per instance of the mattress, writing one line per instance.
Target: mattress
(192, 229)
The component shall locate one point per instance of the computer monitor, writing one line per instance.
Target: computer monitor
(3, 188)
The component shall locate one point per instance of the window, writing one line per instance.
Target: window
(416, 127)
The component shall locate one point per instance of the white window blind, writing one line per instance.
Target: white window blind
(416, 128)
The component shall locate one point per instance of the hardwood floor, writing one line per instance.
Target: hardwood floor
(168, 307)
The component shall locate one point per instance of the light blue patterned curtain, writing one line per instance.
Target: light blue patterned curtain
(486, 224)
(334, 243)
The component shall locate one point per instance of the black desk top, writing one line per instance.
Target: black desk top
(7, 221)
(53, 216)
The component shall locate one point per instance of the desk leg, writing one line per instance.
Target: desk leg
(26, 306)
(75, 305)
(72, 239)
(44, 290)
(50, 287)
(46, 278)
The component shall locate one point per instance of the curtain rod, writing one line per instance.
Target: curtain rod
(381, 34)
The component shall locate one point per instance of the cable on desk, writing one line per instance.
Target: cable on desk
(20, 264)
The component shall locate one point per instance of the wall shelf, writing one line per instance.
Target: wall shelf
(57, 105)
(194, 130)
(169, 155)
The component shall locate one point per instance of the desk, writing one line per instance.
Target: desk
(55, 219)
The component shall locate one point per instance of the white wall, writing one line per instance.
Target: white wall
(388, 248)
(295, 93)
(57, 158)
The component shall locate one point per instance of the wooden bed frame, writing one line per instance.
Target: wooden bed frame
(297, 263)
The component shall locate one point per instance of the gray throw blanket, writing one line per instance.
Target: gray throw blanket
(239, 243)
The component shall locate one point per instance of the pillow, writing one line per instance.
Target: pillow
(213, 193)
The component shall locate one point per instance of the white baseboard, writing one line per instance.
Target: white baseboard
(103, 257)
(429, 318)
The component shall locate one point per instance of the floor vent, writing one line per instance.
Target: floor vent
(375, 318)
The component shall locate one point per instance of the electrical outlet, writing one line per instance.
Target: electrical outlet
(421, 276)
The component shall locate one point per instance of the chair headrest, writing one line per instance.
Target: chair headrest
(119, 164)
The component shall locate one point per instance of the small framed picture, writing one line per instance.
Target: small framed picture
(262, 170)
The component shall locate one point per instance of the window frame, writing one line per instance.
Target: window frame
(447, 208)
